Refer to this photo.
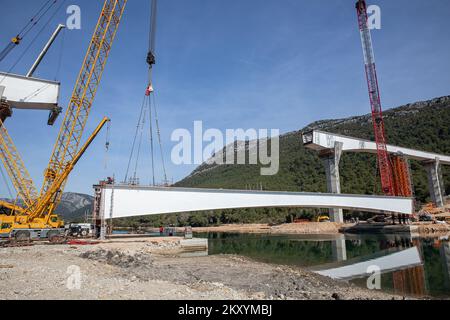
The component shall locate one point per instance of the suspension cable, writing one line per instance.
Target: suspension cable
(159, 139)
(35, 20)
(44, 9)
(151, 141)
(107, 143)
(134, 141)
(135, 178)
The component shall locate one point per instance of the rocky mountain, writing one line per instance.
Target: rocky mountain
(73, 206)
(423, 125)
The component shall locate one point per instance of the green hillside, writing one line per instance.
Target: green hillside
(422, 125)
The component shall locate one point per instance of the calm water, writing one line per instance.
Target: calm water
(415, 267)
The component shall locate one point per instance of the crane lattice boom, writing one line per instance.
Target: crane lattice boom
(69, 138)
(16, 169)
(375, 101)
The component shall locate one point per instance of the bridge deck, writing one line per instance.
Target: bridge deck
(129, 201)
(320, 140)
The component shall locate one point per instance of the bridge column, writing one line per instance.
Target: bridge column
(331, 159)
(435, 182)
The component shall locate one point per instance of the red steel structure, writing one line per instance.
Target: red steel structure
(402, 176)
(387, 180)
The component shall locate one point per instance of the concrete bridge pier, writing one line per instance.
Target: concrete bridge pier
(331, 159)
(435, 182)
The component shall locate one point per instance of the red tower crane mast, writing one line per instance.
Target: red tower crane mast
(387, 180)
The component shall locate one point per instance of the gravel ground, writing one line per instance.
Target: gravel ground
(151, 270)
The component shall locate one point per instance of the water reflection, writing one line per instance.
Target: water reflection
(409, 266)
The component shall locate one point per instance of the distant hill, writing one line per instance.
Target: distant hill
(73, 206)
(423, 125)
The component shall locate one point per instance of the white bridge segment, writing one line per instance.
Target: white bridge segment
(128, 201)
(29, 93)
(319, 140)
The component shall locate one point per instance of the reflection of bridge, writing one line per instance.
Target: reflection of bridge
(331, 146)
(403, 259)
(406, 265)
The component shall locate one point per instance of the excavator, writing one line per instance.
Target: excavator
(34, 217)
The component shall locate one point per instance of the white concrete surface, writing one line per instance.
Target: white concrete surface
(29, 93)
(320, 140)
(128, 201)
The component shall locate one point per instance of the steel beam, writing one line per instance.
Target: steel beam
(131, 201)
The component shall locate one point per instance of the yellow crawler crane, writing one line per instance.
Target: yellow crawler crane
(36, 219)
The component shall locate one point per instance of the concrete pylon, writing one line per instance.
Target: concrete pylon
(435, 182)
(331, 159)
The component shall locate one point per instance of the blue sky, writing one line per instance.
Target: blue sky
(277, 64)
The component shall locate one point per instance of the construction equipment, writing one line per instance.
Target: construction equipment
(40, 14)
(394, 172)
(148, 109)
(323, 219)
(375, 101)
(25, 93)
(36, 219)
(45, 50)
(77, 113)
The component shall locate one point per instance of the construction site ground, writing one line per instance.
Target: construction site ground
(151, 268)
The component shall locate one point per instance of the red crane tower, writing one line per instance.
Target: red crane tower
(394, 171)
(387, 181)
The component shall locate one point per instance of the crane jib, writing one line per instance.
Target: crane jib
(69, 138)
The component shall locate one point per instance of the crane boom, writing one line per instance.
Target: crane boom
(384, 165)
(69, 138)
(16, 169)
(45, 205)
